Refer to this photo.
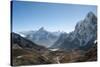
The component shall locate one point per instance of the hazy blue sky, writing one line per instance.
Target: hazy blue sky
(53, 17)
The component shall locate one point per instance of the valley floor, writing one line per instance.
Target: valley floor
(25, 57)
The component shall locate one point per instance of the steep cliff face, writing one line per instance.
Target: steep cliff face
(85, 31)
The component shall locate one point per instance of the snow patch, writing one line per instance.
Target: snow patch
(95, 41)
(53, 49)
(19, 57)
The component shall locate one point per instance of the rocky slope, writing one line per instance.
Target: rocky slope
(25, 52)
(85, 31)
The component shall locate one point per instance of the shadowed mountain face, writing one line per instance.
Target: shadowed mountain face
(25, 52)
(22, 42)
(85, 32)
(77, 46)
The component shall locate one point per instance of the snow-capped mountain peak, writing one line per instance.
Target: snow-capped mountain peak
(41, 29)
(85, 32)
(90, 15)
(42, 36)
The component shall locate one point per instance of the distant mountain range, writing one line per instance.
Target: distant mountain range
(44, 47)
(19, 42)
(85, 31)
(41, 36)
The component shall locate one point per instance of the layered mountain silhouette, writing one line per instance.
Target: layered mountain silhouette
(41, 36)
(21, 42)
(44, 47)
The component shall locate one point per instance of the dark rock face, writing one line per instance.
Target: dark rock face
(85, 32)
(25, 52)
(23, 42)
